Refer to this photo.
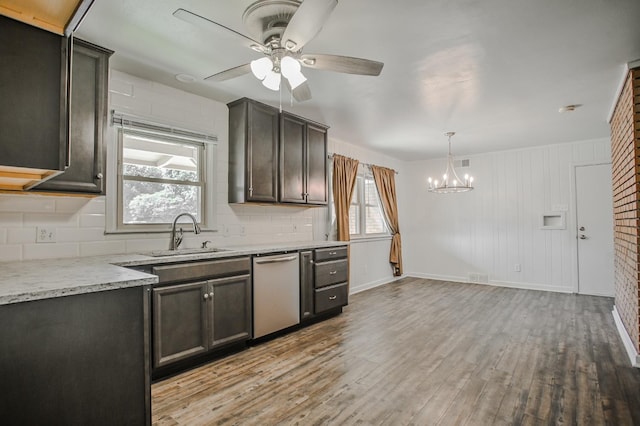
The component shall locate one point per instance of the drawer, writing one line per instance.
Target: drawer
(327, 273)
(330, 253)
(331, 297)
(200, 270)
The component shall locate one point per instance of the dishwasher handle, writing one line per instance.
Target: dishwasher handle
(275, 259)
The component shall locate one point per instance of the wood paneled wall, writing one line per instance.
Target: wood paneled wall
(625, 152)
(482, 235)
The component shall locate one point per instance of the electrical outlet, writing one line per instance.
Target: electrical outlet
(45, 234)
(517, 267)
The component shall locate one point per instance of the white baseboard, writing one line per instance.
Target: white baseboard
(372, 284)
(626, 340)
(510, 284)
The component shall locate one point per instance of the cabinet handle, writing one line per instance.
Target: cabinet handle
(332, 253)
(333, 272)
(211, 294)
(206, 296)
(333, 297)
(99, 176)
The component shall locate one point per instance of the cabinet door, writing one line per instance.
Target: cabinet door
(306, 285)
(87, 123)
(179, 322)
(230, 310)
(262, 154)
(316, 178)
(292, 155)
(33, 98)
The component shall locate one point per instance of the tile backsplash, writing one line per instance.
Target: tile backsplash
(78, 226)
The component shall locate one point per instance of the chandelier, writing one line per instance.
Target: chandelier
(270, 70)
(450, 180)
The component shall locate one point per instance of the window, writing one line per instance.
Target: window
(365, 213)
(159, 175)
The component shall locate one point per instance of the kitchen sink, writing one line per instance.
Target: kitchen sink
(180, 252)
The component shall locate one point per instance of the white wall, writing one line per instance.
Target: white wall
(79, 223)
(491, 229)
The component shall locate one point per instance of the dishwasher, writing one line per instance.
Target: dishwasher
(276, 293)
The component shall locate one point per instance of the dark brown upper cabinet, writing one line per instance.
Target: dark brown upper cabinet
(303, 153)
(88, 117)
(275, 157)
(33, 104)
(253, 152)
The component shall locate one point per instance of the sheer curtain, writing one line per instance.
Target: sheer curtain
(386, 185)
(345, 170)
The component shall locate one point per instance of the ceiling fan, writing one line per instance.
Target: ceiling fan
(284, 27)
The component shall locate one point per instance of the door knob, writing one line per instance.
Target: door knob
(581, 228)
(583, 237)
(206, 296)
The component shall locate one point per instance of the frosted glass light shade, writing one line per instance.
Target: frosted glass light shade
(272, 81)
(261, 67)
(289, 66)
(290, 69)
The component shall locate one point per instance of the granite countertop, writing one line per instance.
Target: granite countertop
(44, 279)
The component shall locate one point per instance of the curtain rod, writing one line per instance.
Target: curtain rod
(330, 156)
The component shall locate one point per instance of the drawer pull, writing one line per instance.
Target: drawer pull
(332, 253)
(333, 297)
(333, 272)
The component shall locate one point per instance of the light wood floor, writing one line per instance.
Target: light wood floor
(424, 352)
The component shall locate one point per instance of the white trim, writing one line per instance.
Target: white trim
(626, 340)
(507, 284)
(372, 284)
(627, 67)
(360, 240)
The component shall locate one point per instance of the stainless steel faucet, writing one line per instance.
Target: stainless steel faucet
(175, 241)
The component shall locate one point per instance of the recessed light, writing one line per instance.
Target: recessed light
(569, 108)
(185, 78)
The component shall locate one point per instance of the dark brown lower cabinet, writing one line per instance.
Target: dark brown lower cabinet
(179, 322)
(193, 319)
(76, 360)
(330, 279)
(306, 285)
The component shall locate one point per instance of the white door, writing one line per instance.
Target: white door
(594, 213)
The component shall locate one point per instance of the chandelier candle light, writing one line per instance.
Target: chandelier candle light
(450, 180)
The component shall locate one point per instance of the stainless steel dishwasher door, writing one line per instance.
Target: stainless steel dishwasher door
(276, 293)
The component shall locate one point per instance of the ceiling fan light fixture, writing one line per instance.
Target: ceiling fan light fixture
(272, 81)
(261, 67)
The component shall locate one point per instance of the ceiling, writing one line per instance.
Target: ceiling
(494, 71)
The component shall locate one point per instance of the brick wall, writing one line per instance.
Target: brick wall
(625, 153)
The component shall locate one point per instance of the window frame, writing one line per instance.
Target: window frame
(207, 162)
(361, 221)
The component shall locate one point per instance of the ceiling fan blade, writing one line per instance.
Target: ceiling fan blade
(345, 64)
(219, 29)
(302, 93)
(306, 23)
(230, 73)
